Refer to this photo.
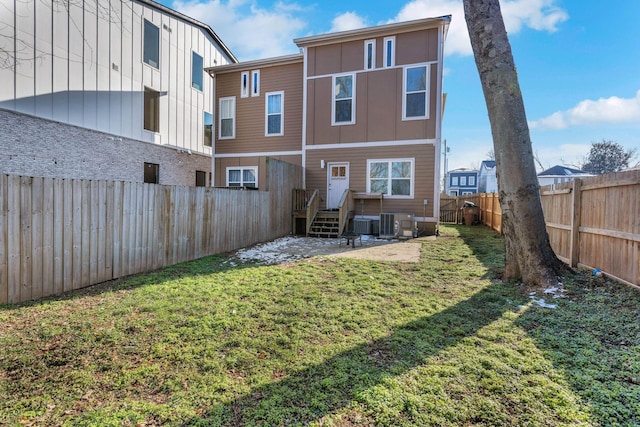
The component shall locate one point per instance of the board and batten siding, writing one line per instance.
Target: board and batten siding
(58, 235)
(82, 65)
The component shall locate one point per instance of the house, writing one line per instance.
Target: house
(115, 92)
(461, 181)
(558, 174)
(487, 180)
(360, 110)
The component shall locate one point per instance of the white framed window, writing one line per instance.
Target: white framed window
(151, 45)
(389, 52)
(472, 180)
(244, 84)
(394, 178)
(454, 180)
(227, 117)
(343, 107)
(255, 83)
(274, 114)
(197, 71)
(242, 177)
(369, 54)
(414, 99)
(463, 181)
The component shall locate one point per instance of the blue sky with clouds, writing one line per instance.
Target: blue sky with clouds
(578, 62)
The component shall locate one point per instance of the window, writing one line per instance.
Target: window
(454, 180)
(414, 104)
(392, 178)
(343, 100)
(151, 110)
(369, 54)
(208, 129)
(255, 83)
(463, 181)
(197, 70)
(151, 173)
(274, 117)
(472, 180)
(227, 116)
(242, 177)
(151, 54)
(201, 178)
(389, 52)
(244, 84)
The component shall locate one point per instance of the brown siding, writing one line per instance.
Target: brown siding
(424, 156)
(221, 165)
(417, 46)
(250, 112)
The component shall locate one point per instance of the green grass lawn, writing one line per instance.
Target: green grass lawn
(325, 341)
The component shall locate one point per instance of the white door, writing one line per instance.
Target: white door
(337, 183)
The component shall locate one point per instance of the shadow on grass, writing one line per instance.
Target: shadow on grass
(318, 390)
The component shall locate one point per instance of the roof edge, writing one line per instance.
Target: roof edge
(262, 63)
(202, 25)
(367, 31)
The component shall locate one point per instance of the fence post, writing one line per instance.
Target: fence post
(574, 256)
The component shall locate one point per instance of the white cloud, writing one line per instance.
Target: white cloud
(251, 32)
(601, 111)
(542, 15)
(347, 21)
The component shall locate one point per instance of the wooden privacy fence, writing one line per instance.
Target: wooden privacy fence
(490, 211)
(592, 222)
(58, 235)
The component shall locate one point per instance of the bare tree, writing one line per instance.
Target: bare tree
(491, 155)
(529, 256)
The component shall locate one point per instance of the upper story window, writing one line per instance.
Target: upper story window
(454, 180)
(208, 129)
(369, 54)
(389, 51)
(151, 110)
(393, 178)
(197, 70)
(151, 50)
(227, 115)
(244, 84)
(472, 180)
(463, 181)
(255, 83)
(343, 105)
(274, 120)
(414, 102)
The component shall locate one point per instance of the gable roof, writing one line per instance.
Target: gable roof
(195, 22)
(488, 164)
(396, 27)
(558, 170)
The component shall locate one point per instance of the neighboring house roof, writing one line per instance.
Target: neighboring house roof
(258, 63)
(488, 164)
(396, 27)
(189, 19)
(558, 170)
(463, 170)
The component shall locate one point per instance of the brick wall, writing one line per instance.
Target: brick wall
(31, 146)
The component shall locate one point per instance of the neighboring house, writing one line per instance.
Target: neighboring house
(462, 181)
(113, 92)
(487, 180)
(359, 110)
(559, 174)
(259, 106)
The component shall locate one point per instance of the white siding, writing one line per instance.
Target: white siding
(84, 66)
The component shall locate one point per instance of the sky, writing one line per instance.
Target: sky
(578, 63)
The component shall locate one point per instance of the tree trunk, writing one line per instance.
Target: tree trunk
(529, 256)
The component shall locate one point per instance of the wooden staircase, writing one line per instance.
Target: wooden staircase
(325, 224)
